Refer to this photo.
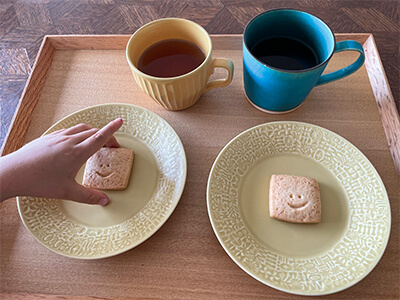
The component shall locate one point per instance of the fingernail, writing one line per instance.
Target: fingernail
(103, 201)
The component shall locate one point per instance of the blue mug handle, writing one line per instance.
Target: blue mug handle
(346, 71)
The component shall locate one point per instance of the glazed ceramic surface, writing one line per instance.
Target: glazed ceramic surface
(134, 214)
(306, 259)
(180, 92)
(276, 90)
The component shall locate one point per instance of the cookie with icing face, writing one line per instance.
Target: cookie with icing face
(294, 199)
(109, 169)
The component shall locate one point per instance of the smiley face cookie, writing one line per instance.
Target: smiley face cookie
(109, 169)
(294, 199)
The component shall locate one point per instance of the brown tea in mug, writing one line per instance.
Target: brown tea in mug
(170, 58)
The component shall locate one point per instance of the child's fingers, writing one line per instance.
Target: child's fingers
(77, 128)
(100, 138)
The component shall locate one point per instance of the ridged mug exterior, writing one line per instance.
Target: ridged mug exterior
(180, 92)
(175, 93)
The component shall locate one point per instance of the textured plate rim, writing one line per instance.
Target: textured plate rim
(170, 211)
(341, 288)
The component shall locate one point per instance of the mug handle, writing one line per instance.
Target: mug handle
(350, 69)
(220, 63)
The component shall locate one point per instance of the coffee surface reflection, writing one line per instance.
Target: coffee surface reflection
(285, 53)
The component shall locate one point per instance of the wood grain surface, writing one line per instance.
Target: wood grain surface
(183, 260)
(23, 24)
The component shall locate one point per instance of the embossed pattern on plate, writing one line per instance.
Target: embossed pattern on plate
(55, 229)
(253, 240)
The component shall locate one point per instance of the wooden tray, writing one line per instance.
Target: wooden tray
(184, 259)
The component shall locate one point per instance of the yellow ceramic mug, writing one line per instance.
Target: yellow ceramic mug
(180, 92)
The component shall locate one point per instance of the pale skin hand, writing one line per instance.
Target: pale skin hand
(47, 166)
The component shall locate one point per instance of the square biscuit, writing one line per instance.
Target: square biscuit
(294, 199)
(109, 169)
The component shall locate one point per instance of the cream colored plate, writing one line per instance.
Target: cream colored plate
(133, 215)
(306, 259)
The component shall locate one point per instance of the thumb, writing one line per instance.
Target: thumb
(79, 193)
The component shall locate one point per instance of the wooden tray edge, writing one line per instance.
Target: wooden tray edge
(28, 101)
(22, 118)
(384, 99)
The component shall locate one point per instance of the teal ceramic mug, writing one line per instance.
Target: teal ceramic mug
(284, 55)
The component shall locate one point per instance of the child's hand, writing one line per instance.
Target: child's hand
(47, 166)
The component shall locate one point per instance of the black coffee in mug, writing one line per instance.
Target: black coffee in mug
(285, 53)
